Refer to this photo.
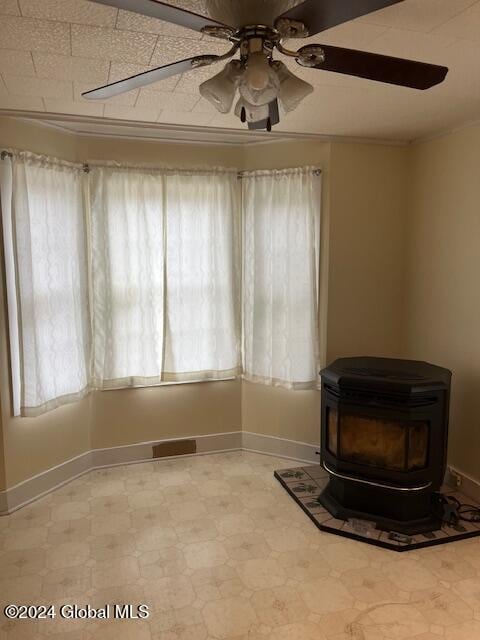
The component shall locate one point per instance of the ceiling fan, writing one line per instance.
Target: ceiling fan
(263, 83)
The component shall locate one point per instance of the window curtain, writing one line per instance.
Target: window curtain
(46, 267)
(281, 240)
(202, 265)
(164, 253)
(132, 276)
(128, 277)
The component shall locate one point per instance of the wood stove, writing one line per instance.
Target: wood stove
(384, 431)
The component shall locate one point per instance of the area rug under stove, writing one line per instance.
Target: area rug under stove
(304, 485)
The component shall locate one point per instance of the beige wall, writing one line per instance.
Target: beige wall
(20, 134)
(443, 319)
(142, 415)
(362, 242)
(368, 199)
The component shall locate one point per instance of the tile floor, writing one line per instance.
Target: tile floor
(219, 551)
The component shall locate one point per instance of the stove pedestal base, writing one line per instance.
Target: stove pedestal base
(407, 512)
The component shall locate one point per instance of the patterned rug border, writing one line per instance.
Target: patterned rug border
(291, 479)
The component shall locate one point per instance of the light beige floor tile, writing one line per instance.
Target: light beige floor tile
(370, 585)
(109, 504)
(145, 499)
(201, 555)
(326, 595)
(279, 606)
(112, 546)
(234, 523)
(399, 621)
(216, 583)
(115, 574)
(25, 538)
(188, 510)
(68, 554)
(441, 607)
(161, 563)
(286, 540)
(172, 592)
(21, 563)
(19, 590)
(72, 582)
(409, 575)
(262, 573)
(219, 506)
(157, 537)
(246, 546)
(72, 510)
(110, 523)
(37, 515)
(298, 631)
(125, 594)
(69, 531)
(146, 517)
(229, 617)
(200, 530)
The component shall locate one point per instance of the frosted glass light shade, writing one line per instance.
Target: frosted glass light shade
(253, 113)
(259, 84)
(220, 90)
(292, 89)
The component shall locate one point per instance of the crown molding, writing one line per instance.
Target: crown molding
(87, 126)
(446, 132)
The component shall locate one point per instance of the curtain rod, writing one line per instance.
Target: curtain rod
(86, 166)
(241, 174)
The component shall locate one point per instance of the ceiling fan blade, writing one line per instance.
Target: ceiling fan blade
(164, 11)
(274, 116)
(373, 66)
(320, 15)
(149, 77)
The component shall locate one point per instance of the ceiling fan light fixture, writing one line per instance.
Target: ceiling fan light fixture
(220, 90)
(259, 85)
(253, 113)
(292, 89)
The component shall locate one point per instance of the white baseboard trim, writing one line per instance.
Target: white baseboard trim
(43, 483)
(468, 485)
(280, 447)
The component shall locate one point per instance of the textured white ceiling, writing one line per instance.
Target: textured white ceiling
(52, 50)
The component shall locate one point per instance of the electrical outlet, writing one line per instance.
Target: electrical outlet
(456, 476)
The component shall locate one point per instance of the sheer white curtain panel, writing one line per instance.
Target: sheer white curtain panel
(128, 276)
(202, 263)
(164, 253)
(46, 267)
(281, 247)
